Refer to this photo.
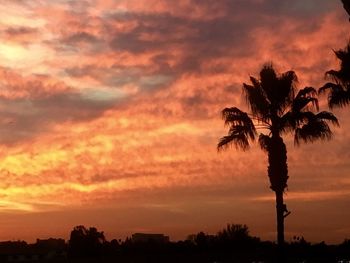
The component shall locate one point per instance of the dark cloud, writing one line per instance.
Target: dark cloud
(198, 41)
(299, 8)
(201, 40)
(31, 105)
(29, 117)
(80, 37)
(198, 38)
(23, 35)
(79, 42)
(15, 31)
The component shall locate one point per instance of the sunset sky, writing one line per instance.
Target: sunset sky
(110, 117)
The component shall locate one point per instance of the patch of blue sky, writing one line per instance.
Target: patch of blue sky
(103, 94)
(155, 81)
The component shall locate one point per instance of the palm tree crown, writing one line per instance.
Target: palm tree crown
(339, 88)
(276, 108)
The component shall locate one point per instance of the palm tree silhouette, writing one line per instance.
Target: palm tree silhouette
(339, 88)
(346, 5)
(276, 110)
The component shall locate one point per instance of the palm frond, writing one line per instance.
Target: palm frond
(293, 119)
(327, 116)
(256, 98)
(255, 82)
(342, 76)
(264, 142)
(269, 81)
(268, 78)
(315, 129)
(338, 98)
(312, 132)
(339, 91)
(287, 122)
(333, 74)
(329, 86)
(279, 89)
(286, 89)
(304, 98)
(241, 129)
(239, 140)
(234, 117)
(306, 92)
(338, 76)
(346, 5)
(290, 77)
(343, 54)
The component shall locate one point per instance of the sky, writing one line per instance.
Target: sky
(110, 117)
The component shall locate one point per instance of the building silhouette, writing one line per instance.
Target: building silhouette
(154, 238)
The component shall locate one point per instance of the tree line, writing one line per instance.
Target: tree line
(232, 244)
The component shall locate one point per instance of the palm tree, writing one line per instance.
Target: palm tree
(346, 5)
(276, 110)
(339, 88)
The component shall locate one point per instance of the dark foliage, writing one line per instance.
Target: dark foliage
(232, 244)
(339, 87)
(85, 242)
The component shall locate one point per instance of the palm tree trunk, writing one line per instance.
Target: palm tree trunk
(278, 174)
(280, 218)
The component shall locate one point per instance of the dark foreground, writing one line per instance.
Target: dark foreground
(232, 244)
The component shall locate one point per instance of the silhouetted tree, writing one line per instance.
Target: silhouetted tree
(85, 242)
(277, 110)
(202, 240)
(234, 233)
(339, 88)
(235, 236)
